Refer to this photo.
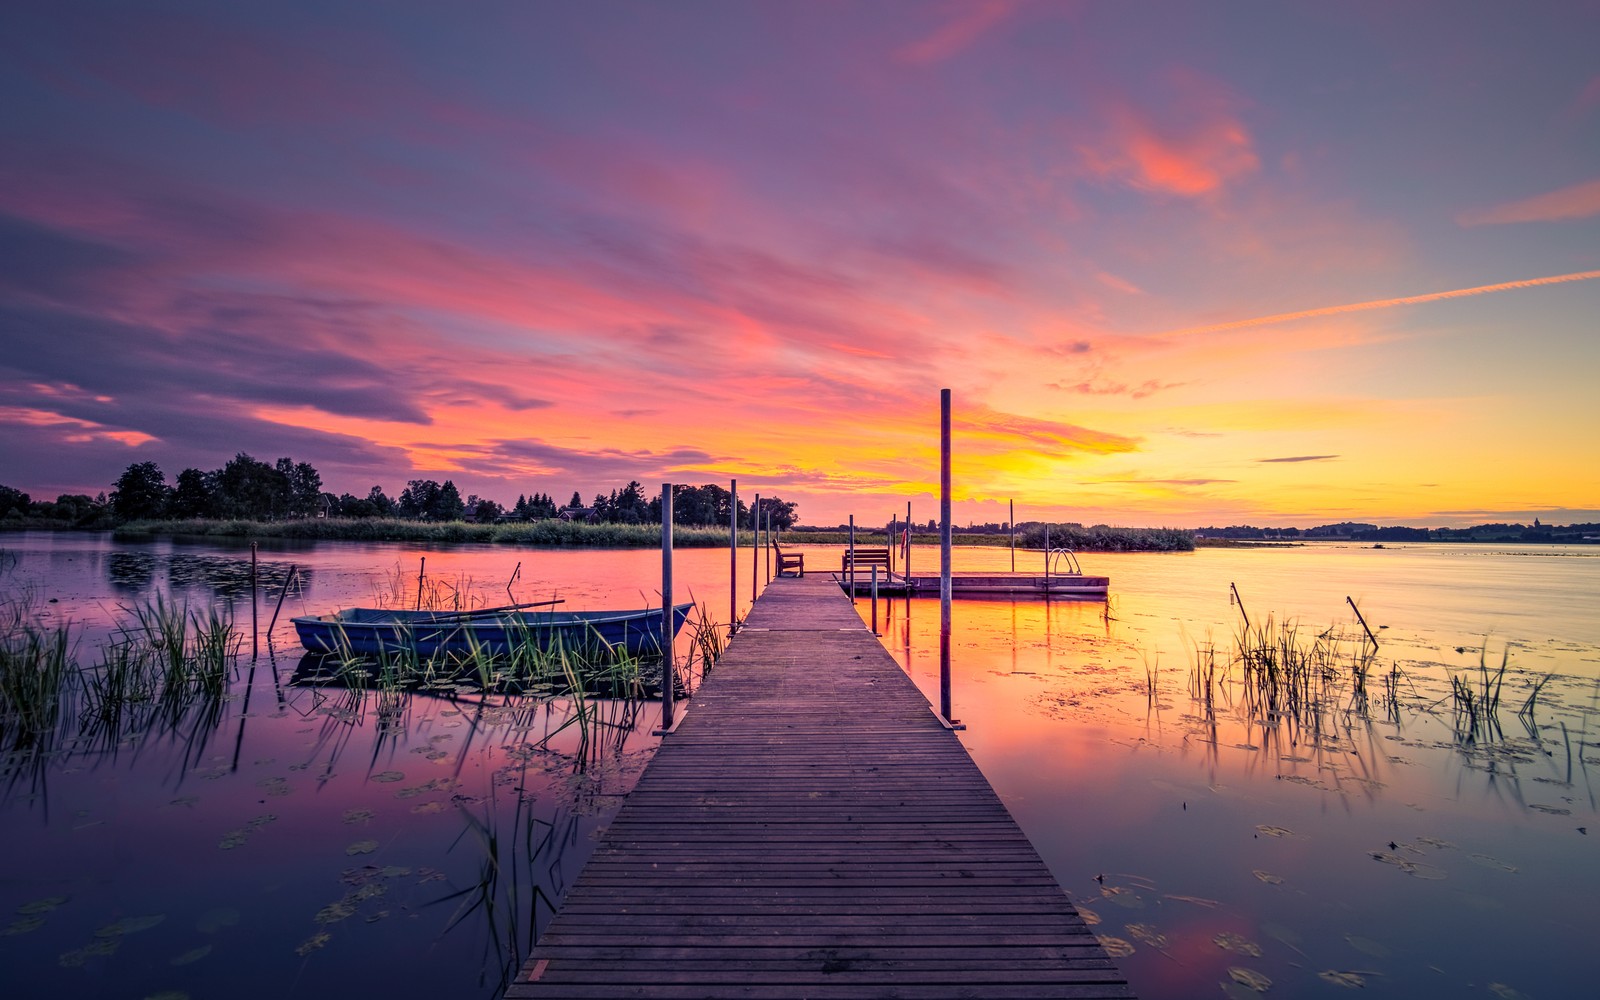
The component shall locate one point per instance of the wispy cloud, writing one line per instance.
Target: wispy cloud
(1579, 201)
(969, 23)
(1409, 300)
(1300, 458)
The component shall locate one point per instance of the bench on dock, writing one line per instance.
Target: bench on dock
(866, 556)
(787, 561)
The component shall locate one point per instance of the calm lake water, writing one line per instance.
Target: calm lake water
(302, 840)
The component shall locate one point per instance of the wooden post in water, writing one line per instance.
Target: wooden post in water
(755, 550)
(422, 569)
(944, 554)
(255, 631)
(733, 554)
(766, 552)
(875, 599)
(668, 661)
(1013, 523)
(906, 569)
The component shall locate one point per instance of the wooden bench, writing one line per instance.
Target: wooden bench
(786, 561)
(866, 557)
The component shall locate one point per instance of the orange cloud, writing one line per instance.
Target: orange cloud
(72, 429)
(1386, 303)
(1576, 202)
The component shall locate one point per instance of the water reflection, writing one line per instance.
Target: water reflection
(224, 576)
(1281, 810)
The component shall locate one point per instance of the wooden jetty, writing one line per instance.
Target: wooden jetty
(997, 585)
(813, 829)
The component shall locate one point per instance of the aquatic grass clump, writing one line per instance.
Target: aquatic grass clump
(37, 676)
(550, 533)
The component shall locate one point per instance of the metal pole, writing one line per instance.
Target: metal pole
(733, 554)
(668, 661)
(255, 632)
(1047, 559)
(766, 552)
(851, 573)
(893, 518)
(1013, 523)
(944, 554)
(874, 598)
(755, 549)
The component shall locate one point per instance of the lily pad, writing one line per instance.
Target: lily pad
(1237, 943)
(1350, 980)
(313, 943)
(1268, 877)
(1149, 935)
(44, 905)
(23, 926)
(1250, 979)
(389, 776)
(192, 955)
(130, 925)
(357, 815)
(1116, 947)
(362, 847)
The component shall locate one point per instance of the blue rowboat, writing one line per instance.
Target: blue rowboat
(379, 631)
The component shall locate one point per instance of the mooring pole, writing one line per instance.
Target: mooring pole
(893, 544)
(755, 549)
(422, 569)
(944, 554)
(733, 554)
(1047, 559)
(850, 574)
(875, 599)
(766, 552)
(668, 661)
(255, 631)
(1013, 524)
(906, 569)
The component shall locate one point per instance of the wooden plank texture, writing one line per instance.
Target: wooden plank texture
(813, 830)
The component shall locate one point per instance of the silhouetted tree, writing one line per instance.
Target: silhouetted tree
(141, 492)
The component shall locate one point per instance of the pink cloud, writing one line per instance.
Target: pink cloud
(970, 22)
(1578, 201)
(1193, 160)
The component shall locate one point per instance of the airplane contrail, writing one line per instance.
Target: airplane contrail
(1386, 303)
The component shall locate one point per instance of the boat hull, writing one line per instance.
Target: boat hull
(377, 632)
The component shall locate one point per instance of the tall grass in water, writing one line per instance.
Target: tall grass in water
(37, 676)
(550, 533)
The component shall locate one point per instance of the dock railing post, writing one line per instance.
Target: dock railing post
(755, 550)
(906, 569)
(944, 554)
(766, 553)
(669, 664)
(1013, 523)
(850, 574)
(733, 555)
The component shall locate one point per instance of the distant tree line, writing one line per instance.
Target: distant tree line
(1359, 532)
(250, 490)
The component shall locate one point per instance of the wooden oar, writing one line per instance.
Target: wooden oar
(481, 612)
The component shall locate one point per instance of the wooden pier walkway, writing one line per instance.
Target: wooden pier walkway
(813, 830)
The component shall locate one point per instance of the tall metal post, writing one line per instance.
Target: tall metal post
(766, 551)
(851, 575)
(733, 554)
(755, 550)
(944, 553)
(906, 569)
(669, 663)
(1013, 523)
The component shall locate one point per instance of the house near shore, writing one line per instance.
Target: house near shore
(582, 514)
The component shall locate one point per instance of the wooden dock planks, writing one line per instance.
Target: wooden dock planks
(813, 830)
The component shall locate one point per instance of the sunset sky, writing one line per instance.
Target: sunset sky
(1180, 263)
